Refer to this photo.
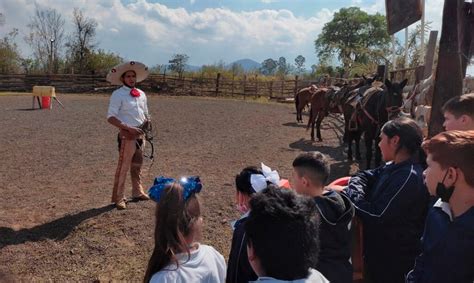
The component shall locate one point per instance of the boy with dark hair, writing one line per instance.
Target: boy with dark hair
(310, 174)
(459, 113)
(448, 240)
(282, 243)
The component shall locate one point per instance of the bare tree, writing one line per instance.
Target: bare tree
(46, 37)
(81, 44)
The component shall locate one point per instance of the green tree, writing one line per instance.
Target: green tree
(80, 44)
(299, 63)
(354, 37)
(101, 61)
(268, 66)
(177, 63)
(10, 59)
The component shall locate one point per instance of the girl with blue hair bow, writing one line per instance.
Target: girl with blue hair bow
(178, 256)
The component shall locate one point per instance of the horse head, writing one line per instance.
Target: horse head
(394, 98)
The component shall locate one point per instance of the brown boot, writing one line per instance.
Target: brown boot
(141, 197)
(121, 205)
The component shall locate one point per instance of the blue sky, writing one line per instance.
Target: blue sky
(208, 31)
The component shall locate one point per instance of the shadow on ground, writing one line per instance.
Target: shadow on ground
(54, 230)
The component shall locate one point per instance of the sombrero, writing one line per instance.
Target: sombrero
(116, 72)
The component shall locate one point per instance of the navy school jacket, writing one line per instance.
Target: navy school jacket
(392, 202)
(336, 212)
(238, 267)
(448, 248)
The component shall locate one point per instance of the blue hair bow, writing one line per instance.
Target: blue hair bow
(191, 185)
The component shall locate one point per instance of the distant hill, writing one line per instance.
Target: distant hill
(247, 64)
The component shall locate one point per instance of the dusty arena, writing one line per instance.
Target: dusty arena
(58, 165)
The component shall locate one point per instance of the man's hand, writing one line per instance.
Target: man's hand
(134, 131)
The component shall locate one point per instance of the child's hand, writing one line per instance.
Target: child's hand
(336, 188)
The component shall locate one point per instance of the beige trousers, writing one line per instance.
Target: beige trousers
(130, 158)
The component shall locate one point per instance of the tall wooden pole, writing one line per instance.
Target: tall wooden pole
(422, 37)
(449, 75)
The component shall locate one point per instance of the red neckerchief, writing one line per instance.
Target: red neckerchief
(134, 92)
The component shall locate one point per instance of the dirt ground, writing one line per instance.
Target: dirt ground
(57, 168)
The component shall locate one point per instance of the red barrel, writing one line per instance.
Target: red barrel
(45, 102)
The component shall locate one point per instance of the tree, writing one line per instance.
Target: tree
(46, 37)
(101, 61)
(268, 66)
(299, 63)
(10, 58)
(80, 44)
(354, 36)
(158, 69)
(178, 63)
(283, 67)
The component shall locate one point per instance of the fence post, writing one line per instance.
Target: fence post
(245, 84)
(202, 82)
(217, 83)
(256, 87)
(271, 89)
(233, 75)
(164, 75)
(296, 86)
(282, 87)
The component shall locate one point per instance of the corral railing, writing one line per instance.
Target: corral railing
(245, 86)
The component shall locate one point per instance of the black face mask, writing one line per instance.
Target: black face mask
(444, 192)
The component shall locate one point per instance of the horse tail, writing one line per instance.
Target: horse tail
(297, 101)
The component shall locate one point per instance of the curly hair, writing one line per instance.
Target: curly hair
(282, 228)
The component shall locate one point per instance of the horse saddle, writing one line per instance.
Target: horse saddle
(362, 98)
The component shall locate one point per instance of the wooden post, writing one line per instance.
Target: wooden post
(271, 89)
(429, 55)
(217, 83)
(202, 82)
(282, 87)
(382, 72)
(245, 84)
(256, 87)
(164, 75)
(448, 71)
(233, 77)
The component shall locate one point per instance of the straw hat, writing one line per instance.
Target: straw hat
(116, 72)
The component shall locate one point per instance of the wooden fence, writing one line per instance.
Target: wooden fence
(199, 86)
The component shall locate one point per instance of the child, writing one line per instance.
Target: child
(178, 256)
(249, 181)
(448, 240)
(392, 202)
(310, 173)
(282, 231)
(459, 113)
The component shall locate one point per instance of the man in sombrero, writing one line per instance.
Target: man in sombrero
(127, 111)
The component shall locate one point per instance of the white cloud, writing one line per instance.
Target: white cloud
(269, 1)
(192, 1)
(153, 32)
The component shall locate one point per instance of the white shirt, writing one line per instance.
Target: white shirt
(313, 277)
(128, 109)
(205, 265)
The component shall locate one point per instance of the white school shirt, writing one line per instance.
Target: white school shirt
(205, 265)
(128, 109)
(313, 277)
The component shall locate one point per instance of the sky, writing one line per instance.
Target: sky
(208, 31)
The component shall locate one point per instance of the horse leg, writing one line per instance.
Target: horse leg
(357, 144)
(318, 125)
(349, 148)
(368, 146)
(378, 153)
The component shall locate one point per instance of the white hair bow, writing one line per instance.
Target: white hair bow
(259, 181)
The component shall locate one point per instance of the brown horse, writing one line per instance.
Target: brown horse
(302, 98)
(328, 100)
